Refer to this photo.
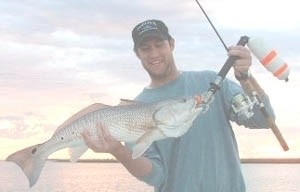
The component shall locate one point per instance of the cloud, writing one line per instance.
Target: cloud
(6, 124)
(57, 57)
(267, 15)
(22, 126)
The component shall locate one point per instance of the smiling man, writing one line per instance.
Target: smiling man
(206, 158)
(154, 47)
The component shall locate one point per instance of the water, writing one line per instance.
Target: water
(113, 177)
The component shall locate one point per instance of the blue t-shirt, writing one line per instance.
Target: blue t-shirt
(206, 158)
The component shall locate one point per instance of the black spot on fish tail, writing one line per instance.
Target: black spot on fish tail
(62, 138)
(33, 150)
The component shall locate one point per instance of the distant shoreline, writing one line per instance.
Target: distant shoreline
(271, 160)
(243, 160)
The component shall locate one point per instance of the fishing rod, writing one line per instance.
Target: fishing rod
(271, 61)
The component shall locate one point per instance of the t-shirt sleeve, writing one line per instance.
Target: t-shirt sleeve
(157, 174)
(258, 120)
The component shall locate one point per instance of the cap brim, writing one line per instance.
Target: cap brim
(151, 34)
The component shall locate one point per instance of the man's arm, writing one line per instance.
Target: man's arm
(105, 143)
(139, 167)
(250, 85)
(242, 71)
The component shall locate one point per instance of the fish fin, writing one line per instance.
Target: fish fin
(82, 112)
(145, 141)
(175, 131)
(128, 102)
(139, 149)
(30, 163)
(77, 152)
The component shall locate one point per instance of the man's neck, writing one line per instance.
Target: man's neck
(155, 83)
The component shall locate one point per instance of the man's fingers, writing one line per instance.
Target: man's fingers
(103, 132)
(87, 138)
(93, 144)
(240, 51)
(102, 141)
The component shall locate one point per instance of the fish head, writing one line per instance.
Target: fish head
(174, 117)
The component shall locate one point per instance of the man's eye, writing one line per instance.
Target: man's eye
(159, 44)
(144, 48)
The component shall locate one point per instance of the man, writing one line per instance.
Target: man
(206, 158)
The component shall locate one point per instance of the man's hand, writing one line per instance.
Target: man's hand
(244, 61)
(104, 142)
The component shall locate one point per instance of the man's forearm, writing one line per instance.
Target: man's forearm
(139, 167)
(250, 84)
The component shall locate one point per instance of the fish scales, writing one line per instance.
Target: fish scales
(127, 123)
(141, 124)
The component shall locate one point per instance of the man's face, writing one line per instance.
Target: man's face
(156, 56)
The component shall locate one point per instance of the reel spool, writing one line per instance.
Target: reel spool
(242, 105)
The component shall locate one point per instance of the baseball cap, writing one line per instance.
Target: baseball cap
(149, 28)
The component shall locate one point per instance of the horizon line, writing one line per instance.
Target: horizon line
(243, 160)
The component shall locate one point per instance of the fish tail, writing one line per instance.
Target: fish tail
(30, 162)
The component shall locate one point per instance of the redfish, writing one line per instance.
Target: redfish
(134, 122)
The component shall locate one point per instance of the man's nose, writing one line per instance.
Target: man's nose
(154, 52)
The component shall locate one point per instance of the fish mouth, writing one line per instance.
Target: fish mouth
(198, 101)
(200, 105)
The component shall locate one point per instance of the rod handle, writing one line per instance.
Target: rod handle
(229, 62)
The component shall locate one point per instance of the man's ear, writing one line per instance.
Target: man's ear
(136, 52)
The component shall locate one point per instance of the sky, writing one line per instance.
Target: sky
(57, 57)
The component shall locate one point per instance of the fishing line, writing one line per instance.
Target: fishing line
(283, 72)
(212, 25)
(261, 50)
(215, 86)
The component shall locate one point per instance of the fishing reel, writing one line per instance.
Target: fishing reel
(270, 60)
(242, 105)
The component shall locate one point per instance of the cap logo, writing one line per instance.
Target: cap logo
(149, 28)
(146, 26)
